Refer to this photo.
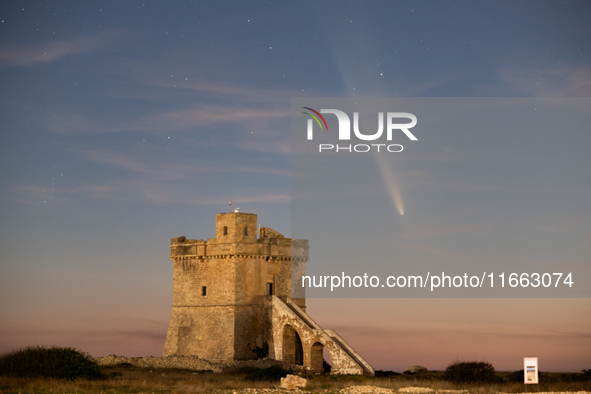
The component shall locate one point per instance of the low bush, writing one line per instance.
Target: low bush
(54, 362)
(470, 372)
(272, 373)
(385, 374)
(347, 378)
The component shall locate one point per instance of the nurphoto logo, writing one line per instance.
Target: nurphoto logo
(392, 124)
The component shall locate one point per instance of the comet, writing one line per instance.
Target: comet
(391, 182)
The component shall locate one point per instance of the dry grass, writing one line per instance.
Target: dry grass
(128, 379)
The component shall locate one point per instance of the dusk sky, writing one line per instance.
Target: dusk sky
(125, 124)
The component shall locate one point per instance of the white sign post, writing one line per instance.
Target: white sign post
(530, 371)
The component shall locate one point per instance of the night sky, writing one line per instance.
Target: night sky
(125, 124)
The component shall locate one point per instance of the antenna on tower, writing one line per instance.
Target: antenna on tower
(231, 205)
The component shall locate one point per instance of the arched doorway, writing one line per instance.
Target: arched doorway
(317, 358)
(293, 351)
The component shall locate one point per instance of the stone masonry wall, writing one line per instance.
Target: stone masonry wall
(219, 287)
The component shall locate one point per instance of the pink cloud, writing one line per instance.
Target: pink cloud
(55, 50)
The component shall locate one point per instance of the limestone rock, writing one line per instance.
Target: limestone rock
(293, 382)
(415, 390)
(365, 390)
(415, 369)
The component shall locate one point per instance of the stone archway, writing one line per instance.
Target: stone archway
(317, 358)
(293, 351)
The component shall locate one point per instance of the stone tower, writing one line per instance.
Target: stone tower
(238, 296)
(219, 289)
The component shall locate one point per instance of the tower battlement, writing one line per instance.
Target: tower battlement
(236, 235)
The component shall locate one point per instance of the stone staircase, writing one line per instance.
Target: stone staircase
(345, 360)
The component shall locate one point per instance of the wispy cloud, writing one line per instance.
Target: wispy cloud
(158, 170)
(156, 333)
(141, 189)
(249, 129)
(199, 116)
(209, 114)
(558, 82)
(200, 86)
(268, 146)
(150, 177)
(152, 169)
(55, 50)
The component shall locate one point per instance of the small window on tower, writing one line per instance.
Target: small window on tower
(245, 231)
(269, 288)
(204, 291)
(225, 230)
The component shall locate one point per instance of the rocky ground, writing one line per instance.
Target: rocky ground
(192, 363)
(189, 374)
(419, 390)
(379, 390)
(371, 390)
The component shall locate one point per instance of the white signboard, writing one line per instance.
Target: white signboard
(530, 370)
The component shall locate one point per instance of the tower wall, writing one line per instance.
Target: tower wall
(235, 224)
(219, 289)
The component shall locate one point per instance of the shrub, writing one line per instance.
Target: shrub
(385, 374)
(274, 372)
(54, 362)
(585, 376)
(516, 377)
(470, 372)
(348, 378)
